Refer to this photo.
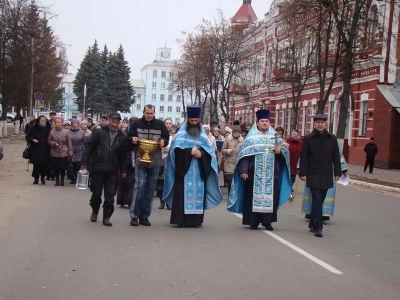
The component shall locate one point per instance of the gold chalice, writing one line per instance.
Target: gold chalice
(147, 148)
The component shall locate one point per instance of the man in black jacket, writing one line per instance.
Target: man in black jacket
(107, 149)
(371, 150)
(146, 174)
(319, 158)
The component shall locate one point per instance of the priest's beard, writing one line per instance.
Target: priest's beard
(193, 129)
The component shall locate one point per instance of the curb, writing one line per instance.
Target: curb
(375, 186)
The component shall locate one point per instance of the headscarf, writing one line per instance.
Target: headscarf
(75, 121)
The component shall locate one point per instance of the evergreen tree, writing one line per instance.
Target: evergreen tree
(92, 73)
(120, 89)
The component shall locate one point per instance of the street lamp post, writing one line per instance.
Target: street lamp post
(30, 108)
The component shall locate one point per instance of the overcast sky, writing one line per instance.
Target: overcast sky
(141, 26)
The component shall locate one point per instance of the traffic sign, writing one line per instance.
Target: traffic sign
(38, 96)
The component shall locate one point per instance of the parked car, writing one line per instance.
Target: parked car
(10, 118)
(1, 151)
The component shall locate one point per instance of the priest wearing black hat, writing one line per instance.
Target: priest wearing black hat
(191, 180)
(261, 180)
(319, 158)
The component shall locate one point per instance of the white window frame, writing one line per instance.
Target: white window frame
(154, 85)
(178, 109)
(154, 97)
(178, 98)
(163, 85)
(304, 120)
(155, 73)
(169, 97)
(169, 108)
(161, 108)
(162, 97)
(363, 124)
(163, 74)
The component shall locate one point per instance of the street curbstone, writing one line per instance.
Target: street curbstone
(374, 186)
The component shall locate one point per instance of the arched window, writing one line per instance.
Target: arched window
(373, 22)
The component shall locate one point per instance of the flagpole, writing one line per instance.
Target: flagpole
(84, 101)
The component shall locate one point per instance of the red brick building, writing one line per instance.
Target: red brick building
(374, 110)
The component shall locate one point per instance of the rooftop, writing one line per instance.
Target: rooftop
(245, 12)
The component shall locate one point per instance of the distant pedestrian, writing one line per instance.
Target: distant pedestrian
(294, 151)
(61, 150)
(30, 124)
(40, 149)
(319, 159)
(371, 149)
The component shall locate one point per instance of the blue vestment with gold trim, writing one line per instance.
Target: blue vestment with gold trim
(329, 203)
(194, 187)
(260, 145)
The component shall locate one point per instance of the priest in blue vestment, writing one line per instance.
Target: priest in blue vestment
(191, 179)
(261, 181)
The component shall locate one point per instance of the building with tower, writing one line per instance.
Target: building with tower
(374, 106)
(153, 88)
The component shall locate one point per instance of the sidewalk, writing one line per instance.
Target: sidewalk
(379, 174)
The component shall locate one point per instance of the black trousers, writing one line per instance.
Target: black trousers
(100, 181)
(293, 178)
(228, 180)
(369, 162)
(318, 198)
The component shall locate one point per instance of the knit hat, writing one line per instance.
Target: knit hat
(236, 128)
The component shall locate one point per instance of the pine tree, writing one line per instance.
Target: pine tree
(120, 89)
(92, 73)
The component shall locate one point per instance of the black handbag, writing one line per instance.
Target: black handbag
(27, 152)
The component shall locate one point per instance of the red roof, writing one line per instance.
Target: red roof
(245, 12)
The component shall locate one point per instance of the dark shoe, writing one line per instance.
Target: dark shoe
(57, 182)
(162, 205)
(144, 222)
(318, 233)
(72, 182)
(254, 226)
(62, 182)
(42, 180)
(93, 216)
(169, 207)
(106, 217)
(134, 222)
(268, 227)
(36, 181)
(312, 230)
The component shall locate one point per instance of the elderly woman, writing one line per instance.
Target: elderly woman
(40, 150)
(77, 136)
(67, 125)
(61, 149)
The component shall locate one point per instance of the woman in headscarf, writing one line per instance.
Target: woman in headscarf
(40, 150)
(77, 136)
(61, 149)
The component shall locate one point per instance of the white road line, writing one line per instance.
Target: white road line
(300, 251)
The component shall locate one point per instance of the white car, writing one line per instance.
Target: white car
(10, 118)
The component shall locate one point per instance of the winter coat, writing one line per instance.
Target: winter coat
(104, 156)
(62, 138)
(294, 152)
(371, 150)
(319, 159)
(77, 139)
(229, 156)
(154, 130)
(28, 126)
(40, 152)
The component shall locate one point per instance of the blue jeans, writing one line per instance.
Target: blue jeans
(145, 185)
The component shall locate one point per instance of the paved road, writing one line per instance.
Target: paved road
(50, 250)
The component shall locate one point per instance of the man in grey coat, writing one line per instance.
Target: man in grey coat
(319, 158)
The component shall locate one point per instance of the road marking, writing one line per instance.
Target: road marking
(300, 251)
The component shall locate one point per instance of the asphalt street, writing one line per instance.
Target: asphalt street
(50, 250)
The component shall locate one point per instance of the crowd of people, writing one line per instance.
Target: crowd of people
(257, 163)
